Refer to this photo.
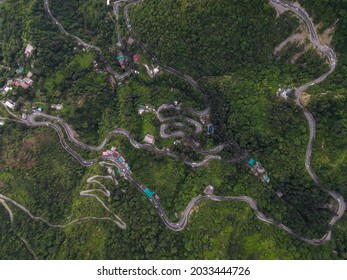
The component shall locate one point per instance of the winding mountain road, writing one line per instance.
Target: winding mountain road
(86, 45)
(179, 225)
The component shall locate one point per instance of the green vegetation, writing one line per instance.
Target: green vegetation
(229, 48)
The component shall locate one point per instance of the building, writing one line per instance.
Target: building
(7, 89)
(131, 41)
(136, 58)
(24, 83)
(120, 59)
(2, 123)
(252, 162)
(20, 70)
(152, 72)
(57, 106)
(10, 104)
(285, 92)
(266, 178)
(121, 159)
(141, 109)
(105, 154)
(29, 75)
(148, 192)
(29, 50)
(149, 139)
(260, 169)
(210, 128)
(28, 81)
(209, 190)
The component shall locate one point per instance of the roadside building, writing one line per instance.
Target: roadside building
(151, 71)
(131, 41)
(266, 178)
(149, 139)
(19, 70)
(7, 89)
(2, 123)
(209, 190)
(260, 169)
(136, 58)
(29, 50)
(252, 162)
(210, 128)
(105, 154)
(141, 110)
(28, 81)
(148, 192)
(285, 93)
(10, 104)
(120, 58)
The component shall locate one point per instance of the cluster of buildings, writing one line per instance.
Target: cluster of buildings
(258, 170)
(145, 109)
(24, 82)
(118, 159)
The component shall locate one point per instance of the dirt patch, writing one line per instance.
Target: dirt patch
(24, 156)
(80, 102)
(279, 9)
(301, 37)
(327, 35)
(2, 184)
(294, 38)
(304, 98)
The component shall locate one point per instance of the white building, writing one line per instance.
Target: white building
(28, 81)
(152, 72)
(149, 139)
(10, 104)
(29, 50)
(57, 106)
(7, 89)
(2, 123)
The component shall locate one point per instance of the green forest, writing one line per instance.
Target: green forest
(228, 48)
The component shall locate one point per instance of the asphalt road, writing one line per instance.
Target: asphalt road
(86, 45)
(332, 60)
(179, 225)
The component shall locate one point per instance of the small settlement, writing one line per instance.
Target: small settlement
(258, 170)
(145, 109)
(116, 157)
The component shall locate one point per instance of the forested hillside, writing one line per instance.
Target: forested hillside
(228, 46)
